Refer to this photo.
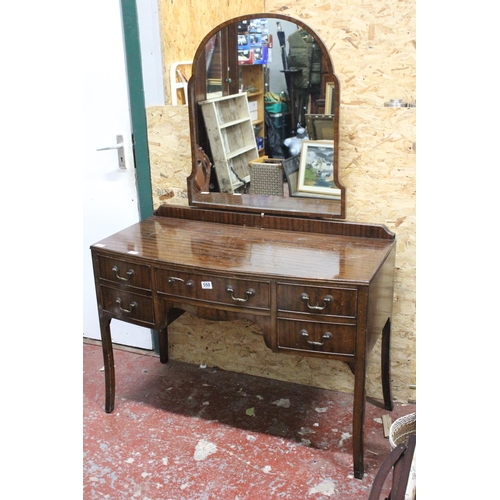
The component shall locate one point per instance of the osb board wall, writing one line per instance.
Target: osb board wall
(169, 153)
(372, 45)
(184, 23)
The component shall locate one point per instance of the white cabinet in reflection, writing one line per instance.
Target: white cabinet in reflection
(232, 140)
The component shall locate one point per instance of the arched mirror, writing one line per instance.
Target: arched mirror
(264, 120)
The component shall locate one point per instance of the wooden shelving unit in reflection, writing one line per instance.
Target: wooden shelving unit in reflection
(252, 82)
(230, 131)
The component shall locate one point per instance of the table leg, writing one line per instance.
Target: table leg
(170, 314)
(386, 365)
(358, 420)
(163, 344)
(109, 364)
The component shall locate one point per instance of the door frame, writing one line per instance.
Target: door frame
(138, 122)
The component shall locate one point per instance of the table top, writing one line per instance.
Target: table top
(244, 250)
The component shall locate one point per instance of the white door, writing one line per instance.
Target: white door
(110, 192)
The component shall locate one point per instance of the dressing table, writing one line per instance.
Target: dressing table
(316, 284)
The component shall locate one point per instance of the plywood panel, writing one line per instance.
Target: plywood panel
(372, 45)
(184, 23)
(169, 153)
(378, 169)
(239, 346)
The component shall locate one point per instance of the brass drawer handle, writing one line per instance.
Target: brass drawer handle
(130, 273)
(172, 279)
(326, 336)
(327, 300)
(249, 293)
(132, 305)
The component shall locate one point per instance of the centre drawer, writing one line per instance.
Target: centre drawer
(216, 289)
(328, 301)
(312, 336)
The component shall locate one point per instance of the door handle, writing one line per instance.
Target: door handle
(119, 147)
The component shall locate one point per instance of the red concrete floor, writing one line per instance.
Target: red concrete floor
(182, 432)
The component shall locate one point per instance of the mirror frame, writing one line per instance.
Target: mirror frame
(318, 208)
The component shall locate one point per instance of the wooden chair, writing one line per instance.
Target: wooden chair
(399, 461)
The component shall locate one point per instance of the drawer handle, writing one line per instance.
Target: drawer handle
(326, 301)
(172, 279)
(326, 336)
(132, 305)
(249, 293)
(130, 273)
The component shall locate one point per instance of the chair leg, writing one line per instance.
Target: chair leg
(402, 473)
(384, 470)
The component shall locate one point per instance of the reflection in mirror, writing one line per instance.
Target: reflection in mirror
(214, 66)
(262, 88)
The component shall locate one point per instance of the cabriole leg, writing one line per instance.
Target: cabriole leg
(109, 364)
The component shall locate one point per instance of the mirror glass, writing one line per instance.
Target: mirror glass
(264, 114)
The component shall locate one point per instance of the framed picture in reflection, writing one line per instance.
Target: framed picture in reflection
(316, 169)
(319, 127)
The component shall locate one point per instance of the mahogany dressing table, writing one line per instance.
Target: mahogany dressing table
(315, 284)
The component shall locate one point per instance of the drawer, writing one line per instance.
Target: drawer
(126, 305)
(214, 289)
(125, 272)
(328, 301)
(312, 336)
